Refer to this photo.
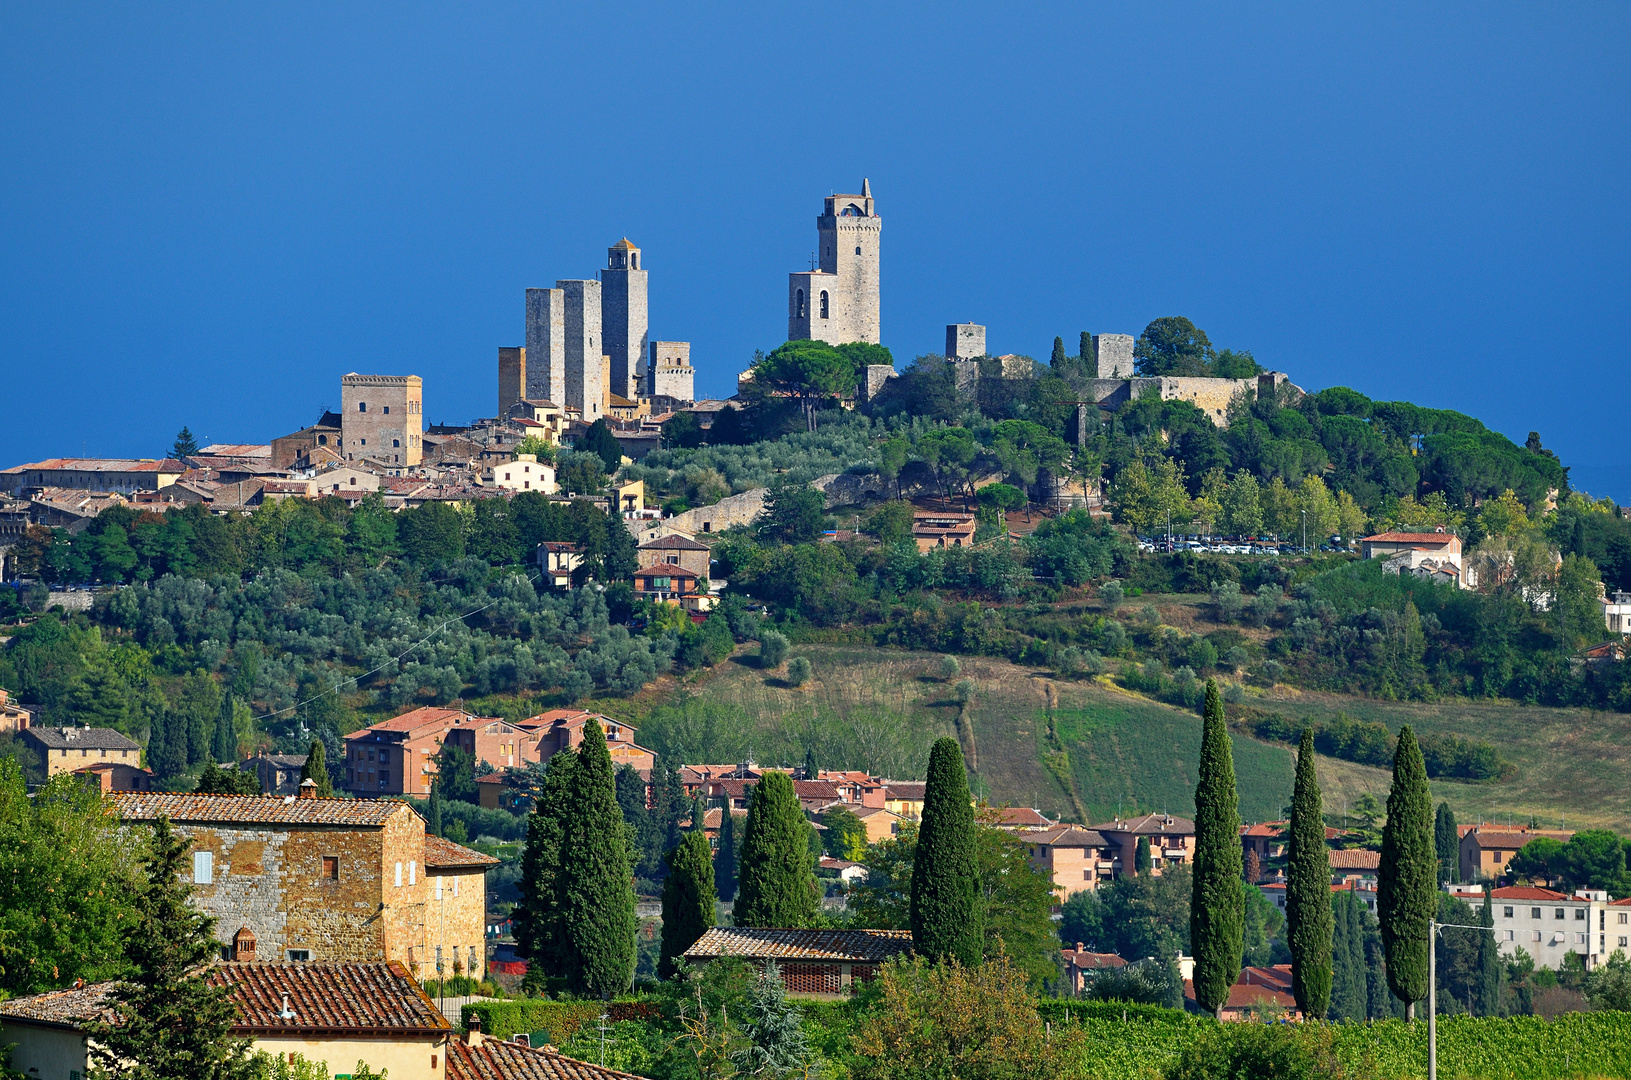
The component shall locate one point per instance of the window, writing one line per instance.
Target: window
(1579, 939)
(798, 304)
(394, 442)
(1579, 914)
(823, 303)
(412, 866)
(1507, 912)
(322, 440)
(399, 875)
(455, 886)
(438, 888)
(331, 868)
(362, 406)
(857, 249)
(1537, 935)
(1624, 941)
(1557, 913)
(1534, 913)
(1624, 918)
(203, 868)
(302, 956)
(1510, 934)
(387, 410)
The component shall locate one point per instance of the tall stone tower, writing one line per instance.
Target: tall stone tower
(623, 322)
(546, 346)
(382, 417)
(583, 389)
(838, 303)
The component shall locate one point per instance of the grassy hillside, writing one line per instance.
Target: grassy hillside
(1086, 750)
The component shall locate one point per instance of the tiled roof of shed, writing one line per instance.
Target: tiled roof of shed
(495, 1060)
(906, 790)
(327, 998)
(1355, 859)
(673, 541)
(440, 852)
(258, 809)
(69, 1008)
(772, 944)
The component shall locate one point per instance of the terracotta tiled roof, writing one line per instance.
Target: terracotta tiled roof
(864, 812)
(815, 789)
(69, 1008)
(1527, 892)
(1355, 859)
(1152, 824)
(259, 809)
(445, 853)
(1091, 961)
(168, 465)
(327, 998)
(1410, 538)
(1068, 836)
(411, 721)
(495, 1060)
(1620, 903)
(673, 541)
(771, 944)
(96, 738)
(1491, 838)
(910, 790)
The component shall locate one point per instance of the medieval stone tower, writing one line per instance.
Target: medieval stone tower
(623, 316)
(838, 303)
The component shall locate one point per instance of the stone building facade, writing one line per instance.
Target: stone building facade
(838, 301)
(382, 417)
(965, 341)
(585, 388)
(70, 749)
(512, 378)
(322, 880)
(668, 371)
(1114, 353)
(545, 373)
(623, 318)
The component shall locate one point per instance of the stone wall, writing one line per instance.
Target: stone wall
(583, 350)
(512, 377)
(669, 370)
(456, 920)
(850, 489)
(875, 378)
(1115, 353)
(623, 318)
(965, 341)
(732, 510)
(546, 345)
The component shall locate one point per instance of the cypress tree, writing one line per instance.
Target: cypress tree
(776, 885)
(1347, 958)
(433, 812)
(1308, 889)
(1088, 354)
(1143, 862)
(168, 1020)
(1217, 909)
(725, 859)
(1057, 361)
(593, 887)
(224, 747)
(316, 768)
(945, 902)
(699, 811)
(538, 916)
(1488, 985)
(688, 898)
(1407, 887)
(1447, 843)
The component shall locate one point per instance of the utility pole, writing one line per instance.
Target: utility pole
(1305, 531)
(1433, 927)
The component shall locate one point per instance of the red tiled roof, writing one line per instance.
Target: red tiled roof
(674, 541)
(771, 944)
(910, 790)
(1512, 838)
(815, 789)
(1527, 892)
(1091, 961)
(327, 998)
(1151, 824)
(412, 721)
(1355, 859)
(1410, 538)
(1264, 828)
(495, 1060)
(1068, 836)
(257, 809)
(66, 1008)
(1620, 903)
(440, 852)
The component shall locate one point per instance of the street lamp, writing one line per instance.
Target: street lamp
(1433, 927)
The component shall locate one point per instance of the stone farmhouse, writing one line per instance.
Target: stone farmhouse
(70, 749)
(328, 880)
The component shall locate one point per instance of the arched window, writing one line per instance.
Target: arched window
(857, 249)
(823, 303)
(798, 304)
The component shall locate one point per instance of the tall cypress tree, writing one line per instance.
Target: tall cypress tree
(168, 1020)
(537, 917)
(1217, 909)
(776, 885)
(1088, 354)
(1143, 861)
(1308, 889)
(1407, 887)
(1057, 360)
(224, 747)
(592, 887)
(725, 859)
(433, 812)
(945, 902)
(1488, 983)
(1347, 958)
(316, 768)
(688, 898)
(1447, 843)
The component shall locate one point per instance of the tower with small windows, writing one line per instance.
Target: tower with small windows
(623, 322)
(837, 302)
(382, 417)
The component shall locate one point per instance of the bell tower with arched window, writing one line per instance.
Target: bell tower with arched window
(837, 302)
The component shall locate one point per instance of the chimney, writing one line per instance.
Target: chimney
(308, 788)
(472, 1033)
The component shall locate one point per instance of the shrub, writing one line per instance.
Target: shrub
(964, 691)
(1260, 1051)
(950, 668)
(1112, 594)
(798, 671)
(772, 650)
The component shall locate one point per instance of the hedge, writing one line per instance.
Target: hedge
(561, 1019)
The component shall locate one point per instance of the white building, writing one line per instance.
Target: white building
(525, 473)
(1617, 612)
(1548, 924)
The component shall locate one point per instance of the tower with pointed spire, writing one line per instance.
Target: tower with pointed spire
(837, 302)
(623, 322)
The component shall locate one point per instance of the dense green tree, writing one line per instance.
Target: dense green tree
(600, 440)
(688, 898)
(1216, 909)
(1594, 859)
(1087, 354)
(199, 701)
(100, 698)
(433, 809)
(1057, 360)
(1487, 1000)
(214, 780)
(845, 837)
(316, 769)
(224, 740)
(592, 884)
(776, 884)
(185, 445)
(1407, 886)
(793, 515)
(1081, 921)
(456, 773)
(945, 883)
(430, 534)
(1143, 863)
(1347, 957)
(812, 372)
(167, 744)
(682, 431)
(1308, 889)
(1541, 859)
(730, 428)
(538, 915)
(1173, 346)
(725, 860)
(169, 1020)
(631, 799)
(1446, 844)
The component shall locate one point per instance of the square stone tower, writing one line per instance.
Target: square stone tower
(584, 389)
(1115, 355)
(623, 322)
(965, 341)
(512, 377)
(546, 346)
(669, 371)
(382, 417)
(838, 303)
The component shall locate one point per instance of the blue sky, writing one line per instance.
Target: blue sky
(209, 213)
